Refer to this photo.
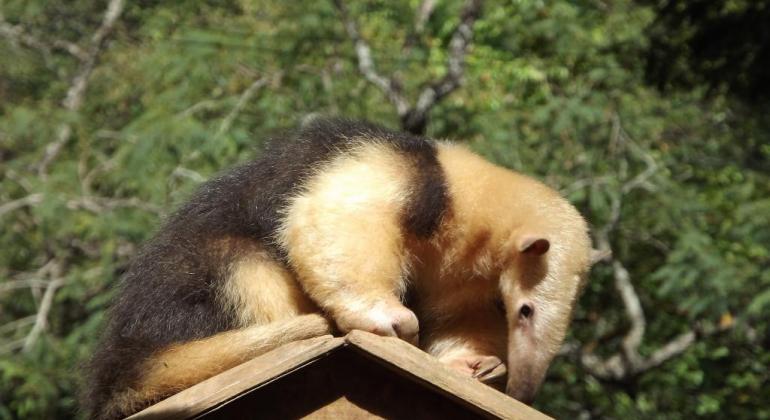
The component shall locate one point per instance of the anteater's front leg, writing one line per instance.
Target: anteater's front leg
(344, 239)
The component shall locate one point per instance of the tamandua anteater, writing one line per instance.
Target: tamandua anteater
(339, 221)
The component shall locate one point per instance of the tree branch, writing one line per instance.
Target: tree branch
(458, 47)
(366, 63)
(52, 270)
(182, 172)
(242, 101)
(423, 15)
(29, 200)
(76, 92)
(642, 178)
(628, 362)
(19, 35)
(633, 307)
(22, 284)
(16, 324)
(668, 351)
(96, 204)
(12, 346)
(414, 118)
(41, 320)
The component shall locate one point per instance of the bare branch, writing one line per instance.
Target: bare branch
(628, 361)
(29, 200)
(414, 118)
(633, 307)
(41, 321)
(458, 47)
(19, 35)
(423, 15)
(12, 346)
(619, 139)
(619, 368)
(22, 284)
(96, 204)
(641, 179)
(582, 183)
(70, 47)
(76, 92)
(205, 104)
(366, 63)
(35, 276)
(610, 368)
(100, 168)
(111, 15)
(182, 172)
(14, 176)
(16, 324)
(242, 101)
(51, 271)
(53, 149)
(673, 348)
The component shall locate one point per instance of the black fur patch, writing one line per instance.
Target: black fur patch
(429, 199)
(169, 293)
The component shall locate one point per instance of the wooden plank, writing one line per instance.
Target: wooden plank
(416, 363)
(346, 383)
(234, 382)
(341, 408)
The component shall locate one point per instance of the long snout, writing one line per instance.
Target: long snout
(522, 390)
(525, 376)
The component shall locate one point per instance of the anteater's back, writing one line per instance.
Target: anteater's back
(172, 291)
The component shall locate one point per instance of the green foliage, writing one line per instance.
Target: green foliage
(554, 89)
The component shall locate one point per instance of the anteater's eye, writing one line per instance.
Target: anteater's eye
(525, 311)
(500, 305)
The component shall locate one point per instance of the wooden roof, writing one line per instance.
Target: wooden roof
(394, 354)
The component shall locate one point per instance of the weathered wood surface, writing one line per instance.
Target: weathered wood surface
(233, 382)
(413, 361)
(395, 354)
(345, 384)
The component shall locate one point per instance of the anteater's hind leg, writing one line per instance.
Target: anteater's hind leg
(269, 310)
(182, 365)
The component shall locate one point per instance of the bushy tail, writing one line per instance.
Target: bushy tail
(180, 366)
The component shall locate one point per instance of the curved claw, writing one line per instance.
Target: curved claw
(490, 370)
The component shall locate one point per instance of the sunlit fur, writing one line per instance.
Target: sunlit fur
(180, 366)
(277, 296)
(474, 259)
(356, 223)
(345, 243)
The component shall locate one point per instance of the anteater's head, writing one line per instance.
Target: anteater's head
(529, 253)
(539, 287)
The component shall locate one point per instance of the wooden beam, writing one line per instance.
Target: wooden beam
(231, 383)
(391, 352)
(420, 365)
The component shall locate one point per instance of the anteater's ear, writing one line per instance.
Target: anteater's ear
(599, 255)
(533, 245)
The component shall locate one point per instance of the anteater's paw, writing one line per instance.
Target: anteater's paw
(383, 318)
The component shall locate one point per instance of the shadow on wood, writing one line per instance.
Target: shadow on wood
(359, 376)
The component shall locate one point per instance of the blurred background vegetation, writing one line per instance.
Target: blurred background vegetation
(650, 116)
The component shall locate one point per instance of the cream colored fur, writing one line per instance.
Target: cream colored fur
(476, 256)
(344, 239)
(261, 290)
